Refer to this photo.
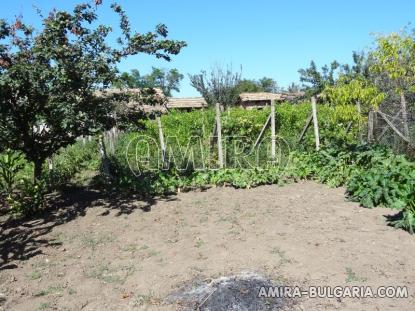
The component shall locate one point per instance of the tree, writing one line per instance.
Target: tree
(314, 81)
(394, 56)
(359, 69)
(250, 86)
(262, 85)
(167, 80)
(268, 85)
(219, 86)
(49, 78)
(130, 80)
(294, 88)
(357, 91)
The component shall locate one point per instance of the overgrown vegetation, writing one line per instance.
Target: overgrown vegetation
(372, 175)
(23, 195)
(53, 85)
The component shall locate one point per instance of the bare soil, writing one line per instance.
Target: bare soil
(96, 253)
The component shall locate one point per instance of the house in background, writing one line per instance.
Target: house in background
(153, 100)
(260, 100)
(186, 103)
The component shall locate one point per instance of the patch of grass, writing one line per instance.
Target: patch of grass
(141, 300)
(93, 242)
(204, 219)
(199, 243)
(352, 277)
(34, 275)
(51, 290)
(152, 253)
(56, 240)
(106, 274)
(71, 291)
(130, 248)
(173, 240)
(44, 306)
(283, 258)
(234, 232)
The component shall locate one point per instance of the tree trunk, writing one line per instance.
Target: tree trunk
(37, 172)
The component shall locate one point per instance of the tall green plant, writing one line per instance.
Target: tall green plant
(11, 163)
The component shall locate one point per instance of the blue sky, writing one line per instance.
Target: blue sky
(268, 38)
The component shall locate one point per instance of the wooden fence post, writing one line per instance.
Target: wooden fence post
(104, 157)
(219, 133)
(359, 111)
(404, 116)
(370, 126)
(50, 164)
(272, 130)
(161, 137)
(315, 122)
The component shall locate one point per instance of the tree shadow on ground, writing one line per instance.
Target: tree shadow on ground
(23, 238)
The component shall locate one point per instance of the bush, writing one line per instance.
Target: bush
(70, 161)
(10, 164)
(24, 196)
(406, 218)
(373, 175)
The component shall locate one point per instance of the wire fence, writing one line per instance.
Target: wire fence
(389, 128)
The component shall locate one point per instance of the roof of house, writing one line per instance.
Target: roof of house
(259, 96)
(169, 102)
(186, 103)
(136, 91)
(266, 96)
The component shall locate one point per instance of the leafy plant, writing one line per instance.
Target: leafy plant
(29, 198)
(407, 221)
(11, 163)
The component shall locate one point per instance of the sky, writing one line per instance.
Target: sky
(264, 37)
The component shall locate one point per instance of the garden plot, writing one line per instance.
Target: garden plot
(117, 254)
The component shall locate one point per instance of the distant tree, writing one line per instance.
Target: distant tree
(168, 81)
(268, 85)
(262, 85)
(314, 81)
(359, 69)
(129, 80)
(217, 86)
(250, 86)
(49, 78)
(294, 88)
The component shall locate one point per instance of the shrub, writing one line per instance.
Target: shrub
(10, 164)
(406, 219)
(70, 161)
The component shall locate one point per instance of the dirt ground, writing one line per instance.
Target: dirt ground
(113, 254)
